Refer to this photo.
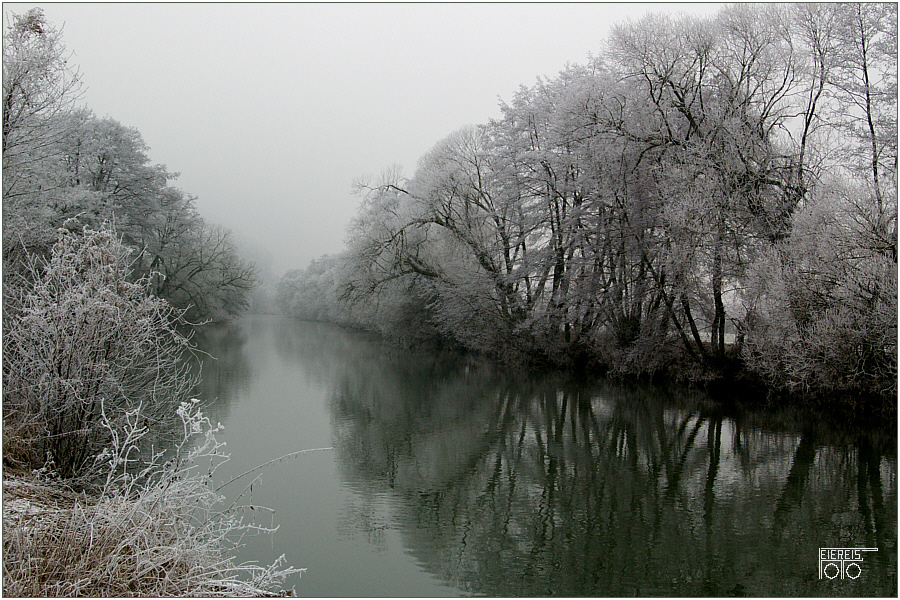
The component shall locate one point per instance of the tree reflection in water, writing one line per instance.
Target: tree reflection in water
(511, 484)
(224, 365)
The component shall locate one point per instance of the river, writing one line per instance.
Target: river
(452, 476)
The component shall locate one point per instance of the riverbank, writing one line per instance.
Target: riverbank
(728, 380)
(60, 543)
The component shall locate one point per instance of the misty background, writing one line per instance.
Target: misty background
(270, 111)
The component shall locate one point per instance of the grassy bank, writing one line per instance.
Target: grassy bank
(158, 531)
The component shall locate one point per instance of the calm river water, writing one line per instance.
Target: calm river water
(454, 477)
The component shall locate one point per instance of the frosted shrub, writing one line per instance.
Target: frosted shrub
(81, 336)
(159, 532)
(824, 317)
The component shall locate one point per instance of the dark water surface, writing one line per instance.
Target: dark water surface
(455, 477)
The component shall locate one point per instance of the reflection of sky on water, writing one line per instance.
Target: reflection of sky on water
(509, 483)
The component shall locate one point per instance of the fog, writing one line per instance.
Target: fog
(270, 111)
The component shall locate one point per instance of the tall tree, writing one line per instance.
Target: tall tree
(718, 91)
(40, 87)
(866, 80)
(825, 301)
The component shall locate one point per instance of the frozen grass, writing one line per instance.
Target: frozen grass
(156, 532)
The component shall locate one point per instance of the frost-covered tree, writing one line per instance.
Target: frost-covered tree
(40, 88)
(64, 167)
(546, 166)
(452, 238)
(650, 210)
(718, 93)
(312, 294)
(824, 302)
(865, 81)
(83, 344)
(824, 310)
(191, 263)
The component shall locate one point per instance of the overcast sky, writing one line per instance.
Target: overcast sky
(270, 111)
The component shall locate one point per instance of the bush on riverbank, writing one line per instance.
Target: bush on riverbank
(119, 501)
(83, 343)
(160, 534)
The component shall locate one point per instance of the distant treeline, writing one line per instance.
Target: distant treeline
(706, 196)
(65, 168)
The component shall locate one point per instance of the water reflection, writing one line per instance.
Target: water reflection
(223, 362)
(511, 485)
